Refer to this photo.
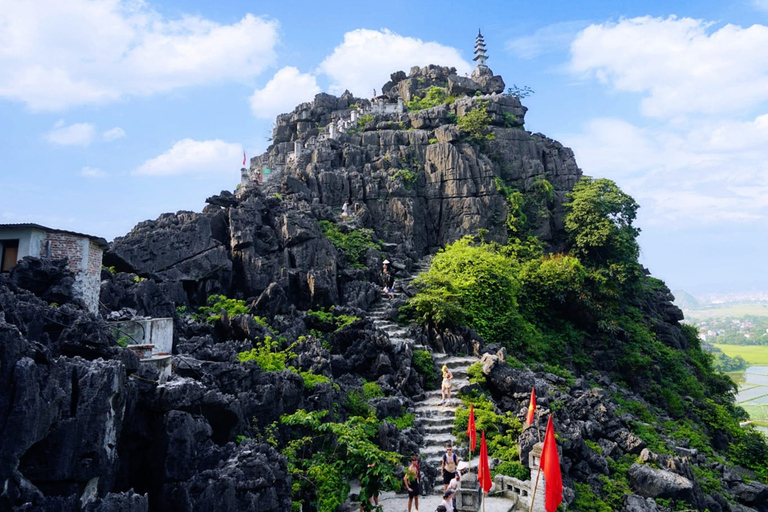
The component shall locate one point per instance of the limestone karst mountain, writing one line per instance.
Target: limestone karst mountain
(86, 425)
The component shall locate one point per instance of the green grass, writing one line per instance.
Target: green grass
(753, 354)
(730, 310)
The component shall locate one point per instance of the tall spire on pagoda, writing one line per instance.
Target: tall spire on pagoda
(480, 56)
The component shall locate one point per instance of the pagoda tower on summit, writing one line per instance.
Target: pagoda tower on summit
(480, 56)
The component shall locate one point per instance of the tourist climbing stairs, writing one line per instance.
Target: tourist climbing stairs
(432, 414)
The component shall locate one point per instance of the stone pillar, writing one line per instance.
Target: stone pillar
(332, 130)
(400, 105)
(297, 149)
(245, 176)
(353, 116)
(467, 497)
(534, 456)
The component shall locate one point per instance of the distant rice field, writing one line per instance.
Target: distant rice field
(732, 310)
(753, 354)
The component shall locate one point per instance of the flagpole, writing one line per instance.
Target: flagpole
(538, 430)
(533, 496)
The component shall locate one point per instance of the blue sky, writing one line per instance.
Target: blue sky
(114, 112)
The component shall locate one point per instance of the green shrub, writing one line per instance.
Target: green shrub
(354, 243)
(311, 380)
(422, 363)
(475, 124)
(219, 303)
(356, 403)
(587, 501)
(267, 356)
(330, 320)
(372, 390)
(324, 456)
(475, 372)
(408, 176)
(513, 469)
(403, 422)
(434, 96)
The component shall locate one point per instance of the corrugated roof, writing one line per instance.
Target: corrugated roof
(29, 225)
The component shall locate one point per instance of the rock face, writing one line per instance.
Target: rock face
(83, 424)
(414, 179)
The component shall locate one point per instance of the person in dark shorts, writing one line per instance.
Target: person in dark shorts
(449, 466)
(412, 481)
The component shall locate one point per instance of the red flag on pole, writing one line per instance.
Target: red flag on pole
(484, 470)
(471, 430)
(550, 466)
(531, 408)
(243, 157)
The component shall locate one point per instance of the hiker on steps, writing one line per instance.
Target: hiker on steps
(412, 479)
(448, 466)
(446, 386)
(388, 279)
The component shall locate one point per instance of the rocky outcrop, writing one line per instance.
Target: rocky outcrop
(85, 426)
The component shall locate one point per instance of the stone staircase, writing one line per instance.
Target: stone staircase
(435, 418)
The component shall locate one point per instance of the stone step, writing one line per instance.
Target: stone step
(441, 429)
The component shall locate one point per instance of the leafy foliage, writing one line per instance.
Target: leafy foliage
(473, 284)
(331, 320)
(323, 457)
(354, 242)
(422, 363)
(219, 303)
(600, 226)
(434, 96)
(267, 355)
(408, 176)
(475, 124)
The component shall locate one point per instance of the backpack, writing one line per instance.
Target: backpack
(455, 461)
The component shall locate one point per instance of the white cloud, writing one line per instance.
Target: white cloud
(78, 134)
(704, 172)
(681, 66)
(555, 37)
(92, 172)
(366, 58)
(287, 88)
(59, 54)
(113, 134)
(192, 157)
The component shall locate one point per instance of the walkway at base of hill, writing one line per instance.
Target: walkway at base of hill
(393, 502)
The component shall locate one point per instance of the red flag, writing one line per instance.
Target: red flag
(531, 408)
(243, 157)
(484, 470)
(550, 466)
(471, 430)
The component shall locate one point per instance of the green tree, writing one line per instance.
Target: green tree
(599, 222)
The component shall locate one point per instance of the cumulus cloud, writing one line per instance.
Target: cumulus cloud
(78, 134)
(287, 88)
(366, 58)
(113, 134)
(192, 157)
(61, 54)
(92, 172)
(680, 65)
(552, 38)
(711, 172)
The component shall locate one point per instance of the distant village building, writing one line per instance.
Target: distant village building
(83, 254)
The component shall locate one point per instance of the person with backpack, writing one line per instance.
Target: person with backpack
(449, 466)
